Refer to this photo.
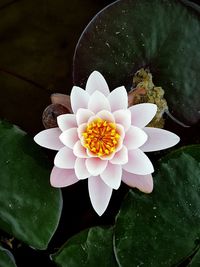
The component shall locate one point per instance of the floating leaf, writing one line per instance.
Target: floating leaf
(30, 208)
(162, 229)
(87, 249)
(195, 262)
(6, 258)
(160, 35)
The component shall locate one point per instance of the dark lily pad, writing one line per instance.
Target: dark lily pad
(195, 262)
(160, 35)
(30, 207)
(162, 229)
(87, 249)
(6, 258)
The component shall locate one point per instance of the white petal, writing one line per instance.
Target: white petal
(98, 102)
(79, 98)
(138, 163)
(112, 175)
(81, 129)
(62, 177)
(79, 150)
(134, 138)
(123, 117)
(120, 130)
(159, 139)
(99, 193)
(49, 138)
(118, 99)
(119, 145)
(121, 157)
(69, 137)
(105, 115)
(142, 114)
(66, 121)
(142, 182)
(80, 169)
(96, 82)
(83, 115)
(95, 166)
(65, 158)
(90, 153)
(108, 157)
(105, 157)
(92, 118)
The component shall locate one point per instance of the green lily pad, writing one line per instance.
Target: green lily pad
(36, 52)
(6, 258)
(162, 229)
(160, 35)
(195, 262)
(30, 207)
(89, 248)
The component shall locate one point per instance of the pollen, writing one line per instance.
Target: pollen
(101, 137)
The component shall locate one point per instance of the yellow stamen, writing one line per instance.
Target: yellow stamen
(101, 137)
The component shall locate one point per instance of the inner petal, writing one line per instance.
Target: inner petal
(101, 137)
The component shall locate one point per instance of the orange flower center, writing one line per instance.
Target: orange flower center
(101, 137)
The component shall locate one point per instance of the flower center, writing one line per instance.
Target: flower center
(101, 137)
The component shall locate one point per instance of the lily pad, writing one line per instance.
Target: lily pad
(30, 207)
(195, 262)
(162, 229)
(6, 258)
(89, 248)
(160, 35)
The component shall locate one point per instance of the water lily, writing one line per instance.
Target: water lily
(104, 141)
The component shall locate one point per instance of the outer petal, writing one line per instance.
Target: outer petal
(118, 99)
(66, 121)
(83, 115)
(65, 158)
(98, 102)
(142, 114)
(105, 115)
(96, 82)
(69, 137)
(134, 138)
(138, 163)
(112, 175)
(95, 166)
(80, 151)
(80, 169)
(79, 98)
(49, 138)
(99, 193)
(159, 139)
(123, 117)
(143, 182)
(121, 157)
(62, 177)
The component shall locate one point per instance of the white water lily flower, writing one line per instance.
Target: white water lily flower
(104, 141)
